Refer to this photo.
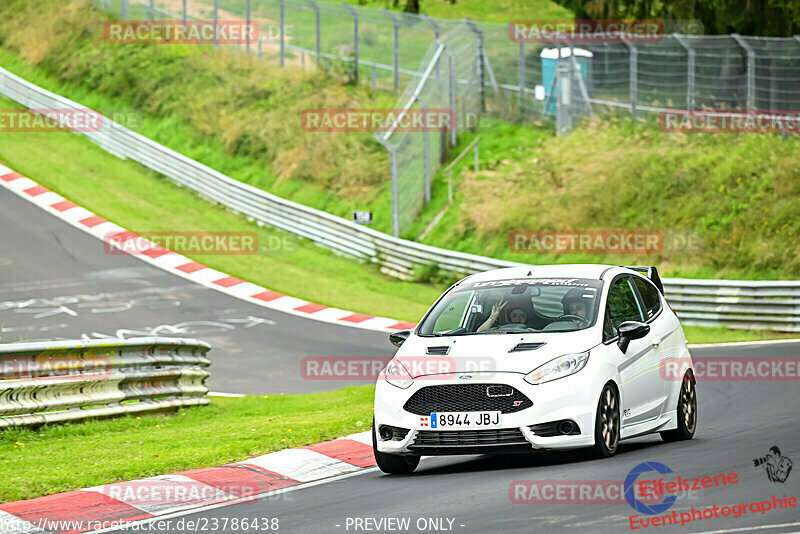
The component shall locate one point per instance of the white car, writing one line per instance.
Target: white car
(540, 357)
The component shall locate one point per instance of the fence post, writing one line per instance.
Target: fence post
(564, 97)
(283, 33)
(451, 96)
(355, 40)
(315, 7)
(481, 76)
(689, 71)
(435, 34)
(247, 15)
(521, 76)
(152, 10)
(426, 152)
(123, 9)
(216, 22)
(393, 169)
(634, 76)
(396, 25)
(751, 70)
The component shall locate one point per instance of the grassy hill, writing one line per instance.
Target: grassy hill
(739, 193)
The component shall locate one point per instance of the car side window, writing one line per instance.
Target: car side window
(622, 306)
(650, 296)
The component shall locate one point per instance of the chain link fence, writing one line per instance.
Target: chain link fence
(477, 68)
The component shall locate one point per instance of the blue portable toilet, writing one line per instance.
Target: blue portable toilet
(550, 58)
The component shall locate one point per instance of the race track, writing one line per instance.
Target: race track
(57, 282)
(738, 422)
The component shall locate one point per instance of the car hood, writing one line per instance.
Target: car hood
(490, 352)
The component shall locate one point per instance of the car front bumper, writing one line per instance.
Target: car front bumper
(571, 398)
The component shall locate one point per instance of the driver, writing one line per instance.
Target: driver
(575, 303)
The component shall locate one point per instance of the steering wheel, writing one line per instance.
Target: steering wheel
(569, 317)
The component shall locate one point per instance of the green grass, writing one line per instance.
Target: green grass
(239, 116)
(55, 458)
(721, 334)
(142, 201)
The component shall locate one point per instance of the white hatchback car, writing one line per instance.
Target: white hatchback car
(540, 357)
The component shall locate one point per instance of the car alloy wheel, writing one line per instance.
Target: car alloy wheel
(686, 412)
(606, 431)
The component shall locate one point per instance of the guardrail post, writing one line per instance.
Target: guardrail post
(124, 9)
(355, 40)
(634, 76)
(152, 10)
(479, 59)
(283, 33)
(690, 60)
(315, 7)
(751, 70)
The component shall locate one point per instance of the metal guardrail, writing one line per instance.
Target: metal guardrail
(736, 304)
(56, 381)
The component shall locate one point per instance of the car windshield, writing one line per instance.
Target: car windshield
(515, 306)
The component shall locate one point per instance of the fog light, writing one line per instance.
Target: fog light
(385, 432)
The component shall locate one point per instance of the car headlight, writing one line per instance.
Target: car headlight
(558, 368)
(397, 375)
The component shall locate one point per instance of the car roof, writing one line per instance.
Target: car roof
(579, 270)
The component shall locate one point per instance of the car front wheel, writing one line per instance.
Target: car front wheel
(606, 425)
(393, 464)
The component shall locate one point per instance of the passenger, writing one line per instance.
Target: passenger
(517, 311)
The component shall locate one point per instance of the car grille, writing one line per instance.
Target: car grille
(468, 438)
(467, 398)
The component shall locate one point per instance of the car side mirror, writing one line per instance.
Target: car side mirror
(630, 330)
(399, 337)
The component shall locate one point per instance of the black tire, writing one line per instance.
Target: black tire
(392, 464)
(686, 412)
(606, 424)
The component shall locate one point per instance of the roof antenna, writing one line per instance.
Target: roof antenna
(529, 273)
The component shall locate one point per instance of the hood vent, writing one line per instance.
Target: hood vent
(526, 346)
(438, 351)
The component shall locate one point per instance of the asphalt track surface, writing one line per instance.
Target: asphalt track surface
(257, 350)
(57, 282)
(738, 422)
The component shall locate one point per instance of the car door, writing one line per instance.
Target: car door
(663, 328)
(641, 385)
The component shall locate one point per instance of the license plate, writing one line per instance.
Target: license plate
(459, 420)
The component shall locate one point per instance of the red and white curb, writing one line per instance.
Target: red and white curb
(180, 265)
(111, 505)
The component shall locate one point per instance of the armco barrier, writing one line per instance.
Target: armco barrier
(736, 304)
(57, 381)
